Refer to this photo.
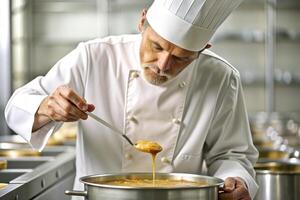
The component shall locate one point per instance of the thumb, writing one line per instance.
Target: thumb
(91, 107)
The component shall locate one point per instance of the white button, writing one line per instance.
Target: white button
(176, 121)
(132, 118)
(134, 75)
(128, 156)
(182, 84)
(164, 160)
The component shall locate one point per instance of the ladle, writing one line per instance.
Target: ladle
(141, 145)
(98, 119)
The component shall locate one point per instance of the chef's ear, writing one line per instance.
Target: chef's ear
(206, 47)
(142, 20)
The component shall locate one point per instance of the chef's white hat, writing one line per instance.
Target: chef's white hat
(189, 24)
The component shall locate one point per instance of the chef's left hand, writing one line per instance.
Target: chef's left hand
(234, 189)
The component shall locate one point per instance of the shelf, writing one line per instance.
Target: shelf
(252, 79)
(121, 5)
(64, 6)
(244, 36)
(87, 6)
(256, 36)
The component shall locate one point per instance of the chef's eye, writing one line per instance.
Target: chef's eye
(156, 47)
(180, 59)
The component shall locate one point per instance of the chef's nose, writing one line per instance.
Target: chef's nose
(164, 61)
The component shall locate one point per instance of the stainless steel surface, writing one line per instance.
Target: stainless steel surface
(5, 61)
(27, 162)
(43, 177)
(278, 180)
(98, 119)
(56, 192)
(8, 175)
(12, 145)
(95, 190)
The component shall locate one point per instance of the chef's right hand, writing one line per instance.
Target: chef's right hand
(62, 105)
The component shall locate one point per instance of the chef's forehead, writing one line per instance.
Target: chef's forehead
(156, 39)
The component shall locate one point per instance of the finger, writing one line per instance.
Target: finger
(240, 182)
(226, 196)
(70, 109)
(229, 184)
(240, 193)
(56, 113)
(69, 94)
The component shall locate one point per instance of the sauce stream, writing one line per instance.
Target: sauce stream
(149, 147)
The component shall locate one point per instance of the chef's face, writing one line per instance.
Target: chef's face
(160, 59)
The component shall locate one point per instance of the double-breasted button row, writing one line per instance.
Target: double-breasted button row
(134, 75)
(134, 119)
(182, 84)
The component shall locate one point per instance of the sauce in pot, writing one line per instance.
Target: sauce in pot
(169, 183)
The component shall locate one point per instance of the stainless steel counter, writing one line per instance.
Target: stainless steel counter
(43, 177)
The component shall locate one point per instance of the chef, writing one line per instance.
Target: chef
(162, 85)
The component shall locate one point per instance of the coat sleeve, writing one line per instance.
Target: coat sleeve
(229, 150)
(23, 104)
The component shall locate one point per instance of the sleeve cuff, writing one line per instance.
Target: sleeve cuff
(40, 137)
(24, 112)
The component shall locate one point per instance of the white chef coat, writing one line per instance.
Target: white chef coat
(199, 115)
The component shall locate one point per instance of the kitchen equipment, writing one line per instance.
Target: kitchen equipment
(14, 153)
(98, 119)
(13, 145)
(3, 185)
(55, 139)
(95, 187)
(278, 180)
(273, 154)
(41, 177)
(3, 164)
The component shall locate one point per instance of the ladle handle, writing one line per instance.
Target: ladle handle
(98, 119)
(76, 193)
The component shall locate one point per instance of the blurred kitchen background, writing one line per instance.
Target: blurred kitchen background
(261, 39)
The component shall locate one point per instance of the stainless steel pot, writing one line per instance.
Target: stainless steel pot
(278, 180)
(273, 154)
(95, 189)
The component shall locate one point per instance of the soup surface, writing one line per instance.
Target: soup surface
(169, 183)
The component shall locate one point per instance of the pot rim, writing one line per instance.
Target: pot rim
(218, 181)
(276, 173)
(275, 164)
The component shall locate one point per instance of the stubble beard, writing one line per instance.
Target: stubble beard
(152, 77)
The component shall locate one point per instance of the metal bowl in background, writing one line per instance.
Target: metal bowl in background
(3, 185)
(95, 187)
(3, 164)
(273, 154)
(278, 180)
(13, 145)
(15, 153)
